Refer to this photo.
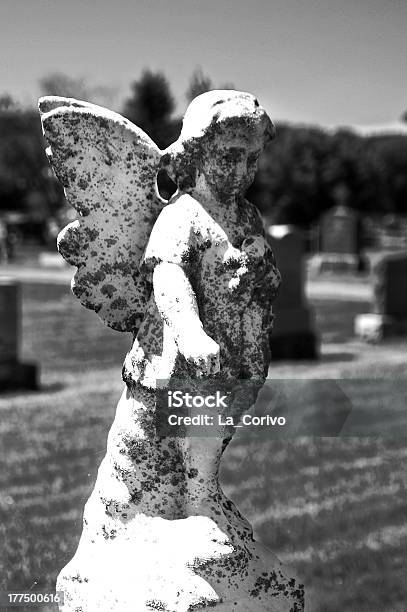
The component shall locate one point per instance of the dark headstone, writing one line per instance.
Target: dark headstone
(389, 308)
(293, 335)
(390, 285)
(9, 321)
(13, 373)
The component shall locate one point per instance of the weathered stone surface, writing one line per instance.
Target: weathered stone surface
(158, 531)
(108, 168)
(389, 308)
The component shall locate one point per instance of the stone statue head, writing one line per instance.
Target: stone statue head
(222, 136)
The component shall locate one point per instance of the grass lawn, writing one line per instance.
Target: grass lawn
(332, 507)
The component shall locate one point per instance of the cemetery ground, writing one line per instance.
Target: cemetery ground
(334, 508)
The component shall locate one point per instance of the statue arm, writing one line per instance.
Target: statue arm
(177, 305)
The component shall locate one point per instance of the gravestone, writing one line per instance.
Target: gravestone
(339, 231)
(294, 334)
(193, 279)
(389, 308)
(13, 373)
(339, 243)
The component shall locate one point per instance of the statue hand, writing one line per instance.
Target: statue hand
(202, 351)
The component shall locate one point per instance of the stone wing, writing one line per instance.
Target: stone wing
(108, 169)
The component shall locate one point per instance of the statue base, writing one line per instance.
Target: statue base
(175, 566)
(160, 534)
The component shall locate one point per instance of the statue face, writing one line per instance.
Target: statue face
(230, 167)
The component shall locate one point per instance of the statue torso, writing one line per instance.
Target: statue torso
(232, 271)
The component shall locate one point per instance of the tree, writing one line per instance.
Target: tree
(151, 107)
(227, 85)
(201, 83)
(392, 152)
(198, 84)
(300, 172)
(27, 184)
(59, 84)
(7, 102)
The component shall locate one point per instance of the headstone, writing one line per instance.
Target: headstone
(340, 238)
(293, 334)
(158, 531)
(13, 373)
(339, 231)
(389, 308)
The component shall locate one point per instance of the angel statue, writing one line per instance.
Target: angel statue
(193, 279)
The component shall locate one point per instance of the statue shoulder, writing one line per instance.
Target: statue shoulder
(182, 204)
(174, 236)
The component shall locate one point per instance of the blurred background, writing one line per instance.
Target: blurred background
(332, 188)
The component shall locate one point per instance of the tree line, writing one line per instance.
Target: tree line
(305, 171)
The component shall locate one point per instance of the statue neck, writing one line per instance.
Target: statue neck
(222, 207)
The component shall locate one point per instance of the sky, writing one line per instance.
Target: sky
(330, 62)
